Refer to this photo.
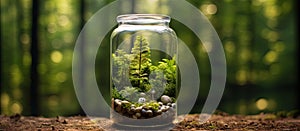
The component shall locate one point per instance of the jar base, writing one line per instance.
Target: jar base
(120, 126)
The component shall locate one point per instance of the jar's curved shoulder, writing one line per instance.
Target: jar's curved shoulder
(157, 29)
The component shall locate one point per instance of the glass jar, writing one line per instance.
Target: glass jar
(143, 71)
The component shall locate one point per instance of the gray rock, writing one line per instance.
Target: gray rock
(160, 103)
(165, 99)
(165, 108)
(169, 104)
(125, 102)
(118, 102)
(174, 105)
(131, 111)
(147, 107)
(134, 117)
(138, 115)
(158, 112)
(149, 113)
(139, 109)
(144, 112)
(119, 108)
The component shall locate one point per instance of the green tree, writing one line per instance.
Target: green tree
(140, 64)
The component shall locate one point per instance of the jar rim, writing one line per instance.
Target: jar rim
(143, 18)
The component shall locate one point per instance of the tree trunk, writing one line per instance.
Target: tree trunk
(34, 51)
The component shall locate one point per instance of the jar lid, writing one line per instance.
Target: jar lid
(143, 19)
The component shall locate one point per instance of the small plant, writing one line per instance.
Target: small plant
(120, 72)
(116, 94)
(140, 64)
(129, 93)
(133, 73)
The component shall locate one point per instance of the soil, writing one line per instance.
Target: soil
(220, 121)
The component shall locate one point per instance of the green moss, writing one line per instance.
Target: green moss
(153, 105)
(126, 105)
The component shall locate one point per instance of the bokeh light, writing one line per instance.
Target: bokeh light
(261, 104)
(56, 56)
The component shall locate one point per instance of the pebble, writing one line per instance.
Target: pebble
(125, 102)
(165, 99)
(118, 102)
(149, 113)
(118, 108)
(138, 109)
(174, 105)
(134, 117)
(169, 104)
(138, 115)
(131, 111)
(147, 107)
(165, 108)
(158, 112)
(144, 112)
(160, 103)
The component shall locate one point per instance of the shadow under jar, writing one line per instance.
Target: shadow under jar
(143, 71)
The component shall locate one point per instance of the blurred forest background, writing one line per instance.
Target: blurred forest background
(260, 39)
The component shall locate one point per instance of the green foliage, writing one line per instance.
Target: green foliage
(140, 64)
(120, 65)
(116, 94)
(168, 67)
(158, 83)
(126, 105)
(137, 67)
(129, 93)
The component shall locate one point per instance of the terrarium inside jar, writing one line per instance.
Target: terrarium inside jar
(143, 71)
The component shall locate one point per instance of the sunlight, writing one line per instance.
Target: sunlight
(25, 39)
(262, 104)
(16, 75)
(17, 93)
(26, 58)
(61, 77)
(63, 20)
(270, 57)
(16, 108)
(271, 11)
(279, 47)
(56, 56)
(273, 36)
(52, 28)
(4, 100)
(209, 9)
(68, 38)
(241, 77)
(229, 46)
